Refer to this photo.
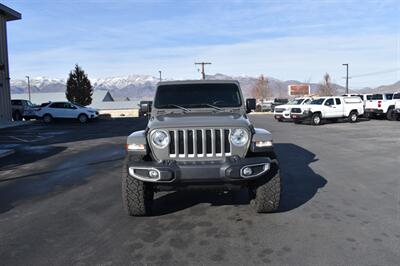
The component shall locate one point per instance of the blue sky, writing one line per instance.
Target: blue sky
(283, 39)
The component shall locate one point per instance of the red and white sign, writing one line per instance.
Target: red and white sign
(299, 89)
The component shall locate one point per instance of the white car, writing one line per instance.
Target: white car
(329, 108)
(282, 112)
(66, 110)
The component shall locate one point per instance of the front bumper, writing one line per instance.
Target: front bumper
(300, 116)
(230, 170)
(280, 116)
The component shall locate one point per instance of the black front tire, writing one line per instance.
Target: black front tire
(83, 118)
(353, 117)
(316, 119)
(390, 115)
(47, 118)
(17, 116)
(137, 196)
(267, 196)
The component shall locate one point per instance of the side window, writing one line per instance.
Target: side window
(56, 105)
(69, 106)
(396, 96)
(16, 102)
(369, 97)
(338, 101)
(307, 101)
(329, 102)
(389, 96)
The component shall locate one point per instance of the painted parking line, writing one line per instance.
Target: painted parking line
(23, 140)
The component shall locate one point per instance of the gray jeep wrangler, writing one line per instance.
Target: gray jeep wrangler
(199, 137)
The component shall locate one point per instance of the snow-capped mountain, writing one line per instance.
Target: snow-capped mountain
(134, 86)
(143, 86)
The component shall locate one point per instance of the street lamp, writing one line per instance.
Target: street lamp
(347, 77)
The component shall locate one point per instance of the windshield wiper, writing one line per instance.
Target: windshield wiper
(206, 104)
(173, 105)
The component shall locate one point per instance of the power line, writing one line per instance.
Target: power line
(376, 73)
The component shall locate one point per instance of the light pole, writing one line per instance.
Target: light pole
(29, 87)
(347, 77)
(159, 71)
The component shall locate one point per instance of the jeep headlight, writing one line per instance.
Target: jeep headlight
(160, 138)
(239, 137)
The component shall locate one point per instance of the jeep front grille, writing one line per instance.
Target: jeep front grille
(279, 110)
(199, 143)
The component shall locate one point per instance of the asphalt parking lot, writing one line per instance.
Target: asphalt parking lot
(60, 201)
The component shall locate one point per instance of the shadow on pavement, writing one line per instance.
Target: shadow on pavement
(41, 183)
(62, 132)
(299, 182)
(299, 185)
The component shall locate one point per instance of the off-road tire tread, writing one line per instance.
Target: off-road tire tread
(267, 196)
(137, 196)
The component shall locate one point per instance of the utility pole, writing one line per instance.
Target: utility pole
(203, 74)
(29, 87)
(159, 71)
(347, 77)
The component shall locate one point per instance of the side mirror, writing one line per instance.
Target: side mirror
(250, 104)
(145, 107)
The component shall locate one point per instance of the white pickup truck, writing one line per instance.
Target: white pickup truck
(282, 112)
(380, 104)
(329, 108)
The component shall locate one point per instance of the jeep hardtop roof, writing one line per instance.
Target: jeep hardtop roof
(207, 81)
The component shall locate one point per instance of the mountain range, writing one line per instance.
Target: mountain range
(143, 86)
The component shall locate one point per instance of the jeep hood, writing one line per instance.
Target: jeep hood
(198, 120)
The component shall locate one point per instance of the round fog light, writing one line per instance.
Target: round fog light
(153, 173)
(247, 171)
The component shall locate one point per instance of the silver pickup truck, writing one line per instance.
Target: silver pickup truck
(200, 137)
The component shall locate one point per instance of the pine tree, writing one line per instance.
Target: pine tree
(79, 90)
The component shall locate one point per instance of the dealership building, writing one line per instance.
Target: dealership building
(6, 14)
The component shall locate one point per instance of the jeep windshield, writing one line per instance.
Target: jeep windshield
(213, 96)
(318, 101)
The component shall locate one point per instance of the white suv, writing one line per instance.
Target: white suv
(282, 112)
(66, 110)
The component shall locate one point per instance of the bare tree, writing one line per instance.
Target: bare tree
(325, 88)
(261, 88)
